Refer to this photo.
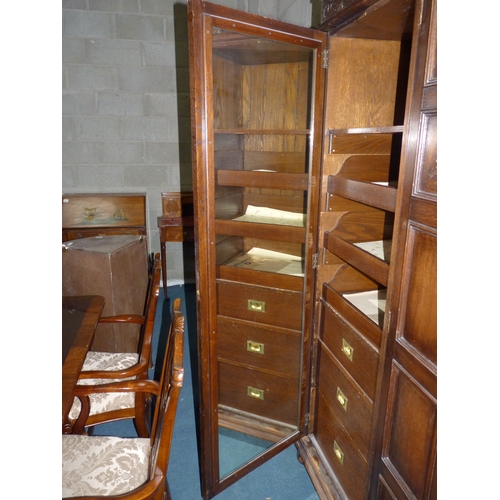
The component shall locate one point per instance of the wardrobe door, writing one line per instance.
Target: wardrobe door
(408, 448)
(256, 91)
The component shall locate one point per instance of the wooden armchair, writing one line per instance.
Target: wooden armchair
(129, 468)
(104, 368)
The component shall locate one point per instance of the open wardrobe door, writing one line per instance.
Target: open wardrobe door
(257, 91)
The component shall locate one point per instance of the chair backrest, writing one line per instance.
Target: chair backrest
(167, 392)
(171, 382)
(146, 338)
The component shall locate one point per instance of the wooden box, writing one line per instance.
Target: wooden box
(115, 267)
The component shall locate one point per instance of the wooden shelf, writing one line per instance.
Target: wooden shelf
(357, 257)
(262, 278)
(273, 232)
(392, 129)
(245, 131)
(383, 197)
(376, 140)
(268, 180)
(262, 260)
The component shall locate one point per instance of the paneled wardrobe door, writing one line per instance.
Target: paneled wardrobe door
(409, 414)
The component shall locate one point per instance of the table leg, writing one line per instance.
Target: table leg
(164, 268)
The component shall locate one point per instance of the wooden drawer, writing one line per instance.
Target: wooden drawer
(75, 234)
(269, 348)
(176, 233)
(239, 386)
(351, 349)
(352, 472)
(353, 409)
(271, 306)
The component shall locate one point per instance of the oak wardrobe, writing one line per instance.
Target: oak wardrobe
(315, 193)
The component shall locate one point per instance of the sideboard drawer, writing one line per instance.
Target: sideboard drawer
(271, 306)
(176, 233)
(76, 234)
(262, 347)
(351, 349)
(349, 466)
(259, 393)
(352, 408)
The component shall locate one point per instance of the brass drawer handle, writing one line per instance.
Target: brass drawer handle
(256, 305)
(255, 393)
(338, 452)
(347, 350)
(255, 347)
(342, 399)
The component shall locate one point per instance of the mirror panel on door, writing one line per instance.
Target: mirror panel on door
(255, 131)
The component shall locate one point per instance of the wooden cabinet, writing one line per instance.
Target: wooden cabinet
(315, 200)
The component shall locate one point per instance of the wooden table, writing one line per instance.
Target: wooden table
(80, 315)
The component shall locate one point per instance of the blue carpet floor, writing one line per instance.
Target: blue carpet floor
(281, 478)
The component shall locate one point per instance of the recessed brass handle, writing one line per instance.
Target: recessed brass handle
(256, 305)
(255, 393)
(338, 452)
(255, 347)
(347, 350)
(342, 399)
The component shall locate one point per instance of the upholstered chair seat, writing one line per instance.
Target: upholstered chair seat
(109, 401)
(128, 468)
(94, 465)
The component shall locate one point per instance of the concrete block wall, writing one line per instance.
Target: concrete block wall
(125, 99)
(125, 103)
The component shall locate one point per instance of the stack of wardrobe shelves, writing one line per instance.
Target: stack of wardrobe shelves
(260, 207)
(361, 172)
(373, 429)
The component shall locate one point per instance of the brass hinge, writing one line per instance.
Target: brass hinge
(315, 261)
(325, 58)
(307, 418)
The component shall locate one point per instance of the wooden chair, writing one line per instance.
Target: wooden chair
(129, 468)
(104, 368)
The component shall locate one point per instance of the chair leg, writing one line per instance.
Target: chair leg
(142, 413)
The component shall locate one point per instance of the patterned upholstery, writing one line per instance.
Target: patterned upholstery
(100, 403)
(103, 465)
